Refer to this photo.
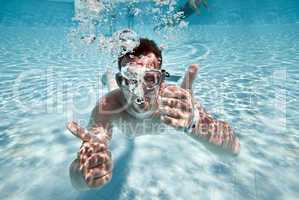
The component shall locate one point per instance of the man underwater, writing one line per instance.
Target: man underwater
(142, 95)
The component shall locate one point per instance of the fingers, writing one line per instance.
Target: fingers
(95, 146)
(98, 159)
(174, 113)
(175, 92)
(169, 120)
(176, 107)
(96, 182)
(93, 154)
(78, 131)
(170, 112)
(175, 88)
(99, 171)
(99, 175)
(176, 123)
(175, 103)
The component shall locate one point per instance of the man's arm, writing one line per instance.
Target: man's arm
(215, 131)
(177, 110)
(93, 166)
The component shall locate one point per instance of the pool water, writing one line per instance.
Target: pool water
(248, 76)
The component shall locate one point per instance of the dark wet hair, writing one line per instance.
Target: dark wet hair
(145, 46)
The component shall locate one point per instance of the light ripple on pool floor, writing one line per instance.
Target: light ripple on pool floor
(241, 80)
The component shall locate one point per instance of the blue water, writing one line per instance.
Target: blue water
(249, 56)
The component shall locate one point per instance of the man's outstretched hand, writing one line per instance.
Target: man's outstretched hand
(95, 161)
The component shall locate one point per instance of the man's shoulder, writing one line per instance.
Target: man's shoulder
(116, 92)
(112, 99)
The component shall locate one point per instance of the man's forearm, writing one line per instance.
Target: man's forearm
(215, 131)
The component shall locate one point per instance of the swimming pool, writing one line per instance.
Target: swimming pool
(249, 57)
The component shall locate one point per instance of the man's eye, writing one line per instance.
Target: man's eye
(149, 78)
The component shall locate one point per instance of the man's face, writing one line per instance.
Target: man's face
(139, 65)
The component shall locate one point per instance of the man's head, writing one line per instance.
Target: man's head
(140, 77)
(147, 54)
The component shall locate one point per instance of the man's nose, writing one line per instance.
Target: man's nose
(139, 100)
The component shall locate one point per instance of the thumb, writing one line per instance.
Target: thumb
(189, 77)
(78, 131)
